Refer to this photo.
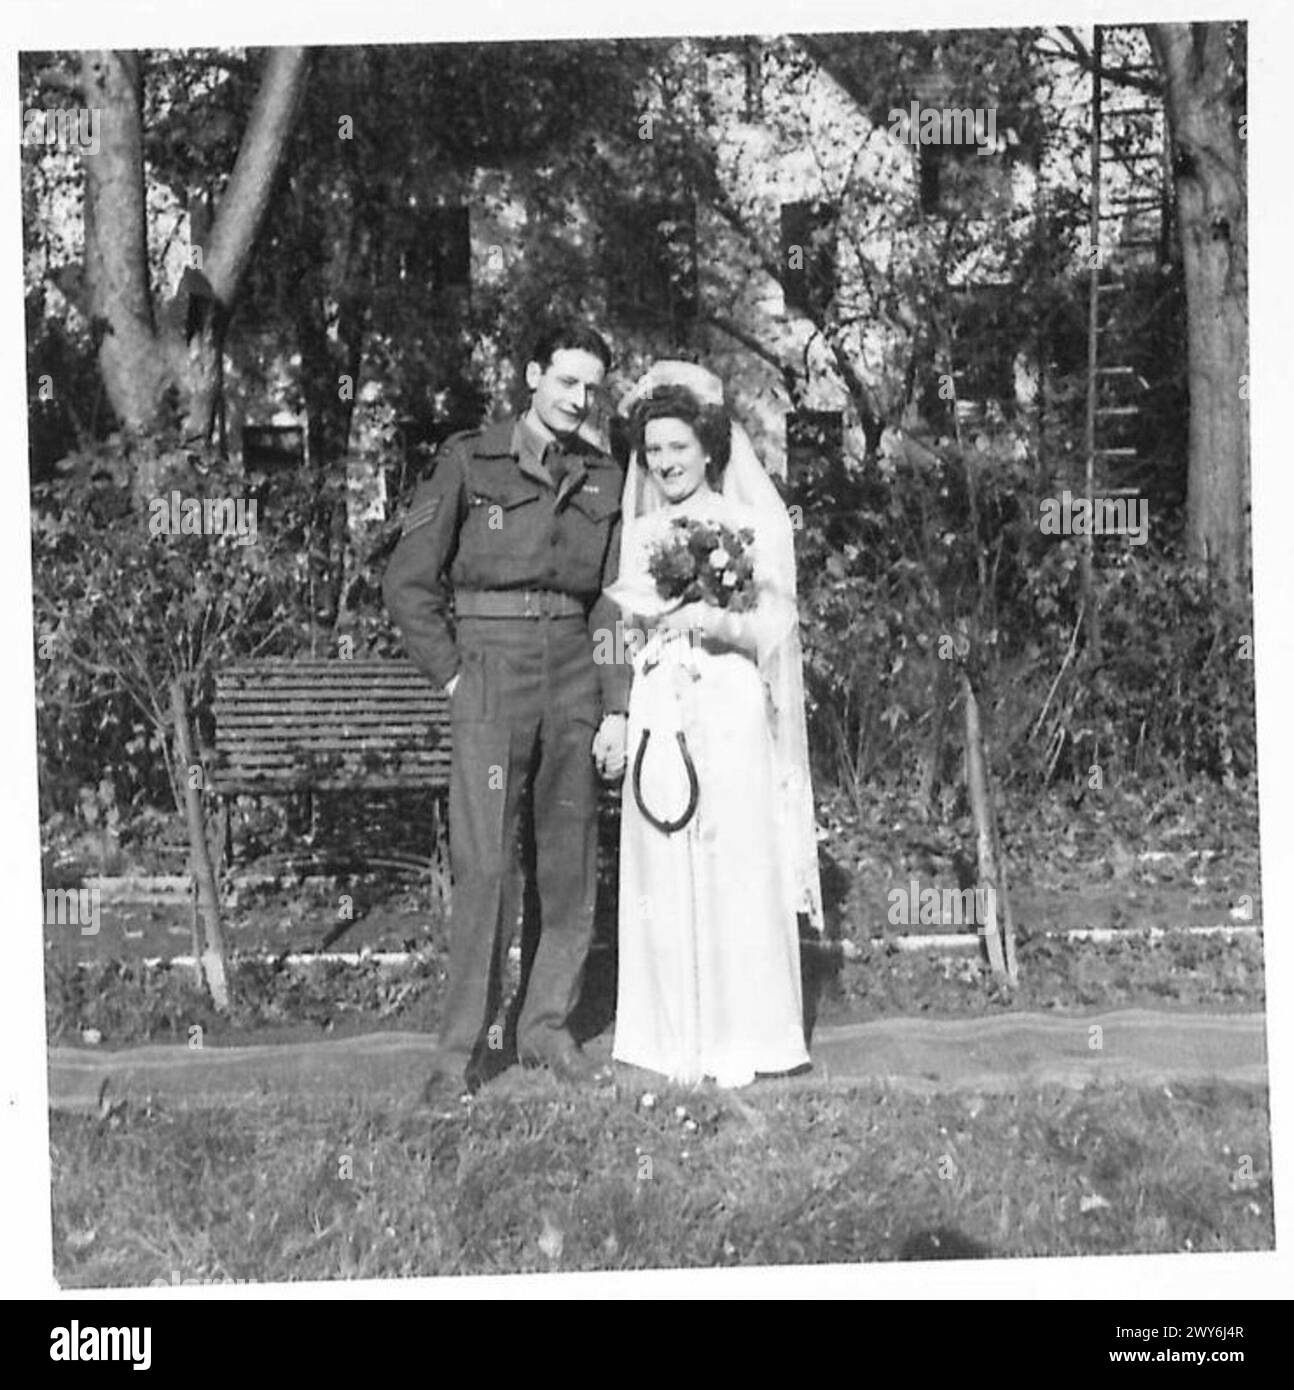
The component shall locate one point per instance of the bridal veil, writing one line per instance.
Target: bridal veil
(746, 484)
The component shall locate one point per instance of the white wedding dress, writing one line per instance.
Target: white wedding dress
(709, 959)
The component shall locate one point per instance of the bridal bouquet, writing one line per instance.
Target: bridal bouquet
(705, 561)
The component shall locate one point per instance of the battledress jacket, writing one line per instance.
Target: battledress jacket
(490, 518)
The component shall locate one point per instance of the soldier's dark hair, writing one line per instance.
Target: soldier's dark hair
(710, 424)
(568, 333)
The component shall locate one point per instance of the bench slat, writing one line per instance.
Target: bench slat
(415, 747)
(358, 691)
(339, 673)
(326, 762)
(321, 756)
(412, 680)
(269, 786)
(357, 702)
(326, 700)
(410, 730)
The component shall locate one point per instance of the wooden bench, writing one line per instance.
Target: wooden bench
(286, 726)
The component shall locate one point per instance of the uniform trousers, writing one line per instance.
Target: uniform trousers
(524, 714)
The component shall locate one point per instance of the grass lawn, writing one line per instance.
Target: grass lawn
(532, 1177)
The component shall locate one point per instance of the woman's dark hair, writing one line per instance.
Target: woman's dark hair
(568, 333)
(709, 423)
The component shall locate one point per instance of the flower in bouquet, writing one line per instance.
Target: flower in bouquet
(705, 562)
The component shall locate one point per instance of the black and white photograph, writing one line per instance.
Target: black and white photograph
(643, 648)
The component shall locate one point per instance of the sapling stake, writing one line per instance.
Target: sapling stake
(211, 958)
(1002, 963)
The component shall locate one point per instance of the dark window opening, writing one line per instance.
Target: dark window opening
(984, 343)
(815, 442)
(649, 251)
(808, 259)
(957, 180)
(273, 448)
(271, 455)
(438, 253)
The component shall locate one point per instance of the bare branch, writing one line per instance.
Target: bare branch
(242, 209)
(1080, 54)
(748, 341)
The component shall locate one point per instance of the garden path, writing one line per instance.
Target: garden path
(1000, 1053)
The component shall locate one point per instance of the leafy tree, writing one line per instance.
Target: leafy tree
(153, 359)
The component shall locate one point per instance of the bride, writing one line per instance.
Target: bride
(718, 849)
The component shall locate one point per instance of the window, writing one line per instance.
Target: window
(986, 338)
(957, 180)
(649, 252)
(808, 261)
(438, 251)
(815, 443)
(273, 448)
(272, 454)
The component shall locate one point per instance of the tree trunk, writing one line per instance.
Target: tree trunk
(1209, 173)
(134, 370)
(141, 361)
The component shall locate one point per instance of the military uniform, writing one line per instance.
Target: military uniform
(525, 535)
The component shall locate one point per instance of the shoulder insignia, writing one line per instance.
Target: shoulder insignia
(453, 441)
(421, 515)
(493, 440)
(459, 435)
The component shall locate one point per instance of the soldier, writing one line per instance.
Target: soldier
(520, 521)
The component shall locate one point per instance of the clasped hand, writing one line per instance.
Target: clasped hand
(610, 746)
(697, 615)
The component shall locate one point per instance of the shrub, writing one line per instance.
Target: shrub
(121, 613)
(905, 576)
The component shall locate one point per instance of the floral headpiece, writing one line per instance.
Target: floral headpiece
(703, 384)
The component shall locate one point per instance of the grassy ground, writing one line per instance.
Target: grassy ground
(531, 1177)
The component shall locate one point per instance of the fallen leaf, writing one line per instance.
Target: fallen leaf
(551, 1239)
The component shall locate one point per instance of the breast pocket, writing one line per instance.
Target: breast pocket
(501, 535)
(592, 515)
(588, 522)
(493, 506)
(598, 505)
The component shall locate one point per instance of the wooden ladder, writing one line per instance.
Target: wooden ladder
(1128, 194)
